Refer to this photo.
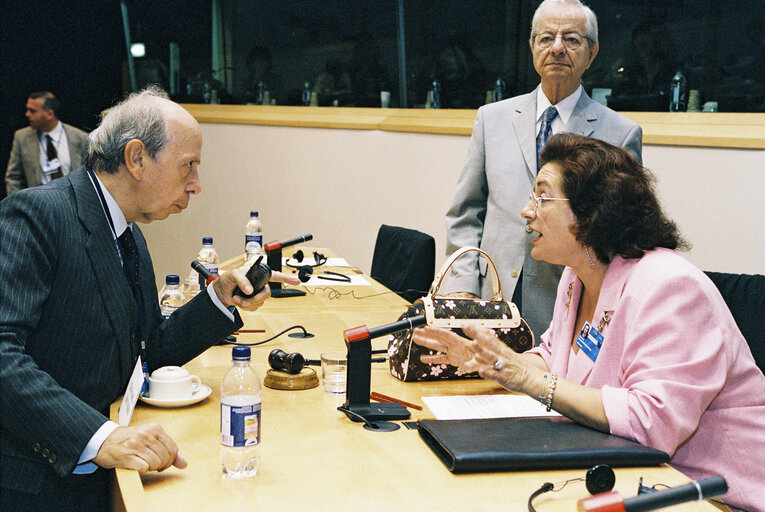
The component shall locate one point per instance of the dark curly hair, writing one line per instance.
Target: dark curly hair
(612, 196)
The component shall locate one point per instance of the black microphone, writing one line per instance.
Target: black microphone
(201, 270)
(362, 332)
(272, 246)
(696, 490)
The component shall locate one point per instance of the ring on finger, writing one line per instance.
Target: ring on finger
(499, 364)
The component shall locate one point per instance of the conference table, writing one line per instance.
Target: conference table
(312, 457)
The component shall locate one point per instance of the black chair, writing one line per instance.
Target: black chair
(745, 296)
(404, 261)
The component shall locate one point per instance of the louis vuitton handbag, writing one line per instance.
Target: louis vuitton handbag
(498, 314)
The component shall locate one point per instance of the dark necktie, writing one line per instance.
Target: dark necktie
(546, 130)
(52, 154)
(129, 251)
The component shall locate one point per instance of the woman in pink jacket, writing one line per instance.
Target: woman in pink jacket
(641, 344)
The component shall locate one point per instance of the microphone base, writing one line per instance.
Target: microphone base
(281, 293)
(378, 411)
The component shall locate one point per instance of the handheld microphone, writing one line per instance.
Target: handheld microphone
(202, 271)
(696, 490)
(272, 246)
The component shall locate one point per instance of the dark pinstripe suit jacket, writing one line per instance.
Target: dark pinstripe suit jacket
(68, 327)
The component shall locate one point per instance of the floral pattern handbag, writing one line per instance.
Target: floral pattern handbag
(498, 314)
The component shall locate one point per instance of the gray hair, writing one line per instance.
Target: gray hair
(590, 24)
(140, 117)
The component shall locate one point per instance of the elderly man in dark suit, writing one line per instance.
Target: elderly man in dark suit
(73, 318)
(46, 149)
(501, 164)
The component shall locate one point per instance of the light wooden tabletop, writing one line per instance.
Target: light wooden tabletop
(313, 457)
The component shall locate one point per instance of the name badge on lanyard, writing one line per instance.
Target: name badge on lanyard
(589, 341)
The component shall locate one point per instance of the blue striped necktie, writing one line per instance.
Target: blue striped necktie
(545, 130)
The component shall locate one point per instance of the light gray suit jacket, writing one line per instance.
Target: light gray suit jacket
(499, 172)
(69, 328)
(24, 164)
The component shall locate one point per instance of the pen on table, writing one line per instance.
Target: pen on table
(384, 398)
(245, 331)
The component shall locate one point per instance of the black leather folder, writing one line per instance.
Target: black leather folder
(519, 444)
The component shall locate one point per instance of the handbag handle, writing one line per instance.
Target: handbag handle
(496, 288)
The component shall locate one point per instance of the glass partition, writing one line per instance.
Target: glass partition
(445, 53)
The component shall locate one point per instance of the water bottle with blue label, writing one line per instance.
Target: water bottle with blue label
(253, 239)
(208, 257)
(170, 296)
(240, 417)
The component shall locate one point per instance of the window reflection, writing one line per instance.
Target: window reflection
(346, 52)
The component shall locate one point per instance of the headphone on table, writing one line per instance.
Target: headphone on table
(298, 256)
(598, 479)
(304, 272)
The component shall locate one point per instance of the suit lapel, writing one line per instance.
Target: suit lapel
(524, 125)
(583, 118)
(104, 259)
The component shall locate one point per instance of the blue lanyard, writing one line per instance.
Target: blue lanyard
(140, 300)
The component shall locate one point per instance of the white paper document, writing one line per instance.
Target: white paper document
(468, 407)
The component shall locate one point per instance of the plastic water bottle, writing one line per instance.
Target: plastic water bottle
(499, 89)
(170, 296)
(253, 238)
(209, 258)
(207, 93)
(678, 93)
(260, 93)
(307, 93)
(435, 95)
(240, 407)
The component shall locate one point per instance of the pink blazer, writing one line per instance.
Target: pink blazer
(675, 372)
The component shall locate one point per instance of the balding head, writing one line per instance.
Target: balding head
(143, 116)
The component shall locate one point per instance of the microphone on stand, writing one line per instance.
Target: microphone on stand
(274, 262)
(359, 371)
(696, 490)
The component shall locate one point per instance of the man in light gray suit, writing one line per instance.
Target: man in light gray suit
(78, 305)
(501, 163)
(46, 149)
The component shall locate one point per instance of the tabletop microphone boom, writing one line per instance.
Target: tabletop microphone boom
(271, 246)
(696, 490)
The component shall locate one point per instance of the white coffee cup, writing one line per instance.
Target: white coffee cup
(384, 99)
(173, 383)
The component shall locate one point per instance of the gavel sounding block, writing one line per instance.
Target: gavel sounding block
(306, 379)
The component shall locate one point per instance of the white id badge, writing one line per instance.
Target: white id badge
(131, 394)
(51, 166)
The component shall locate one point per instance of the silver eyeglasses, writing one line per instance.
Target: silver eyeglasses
(571, 40)
(538, 200)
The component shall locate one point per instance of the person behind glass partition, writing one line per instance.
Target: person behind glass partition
(643, 82)
(260, 67)
(501, 162)
(641, 343)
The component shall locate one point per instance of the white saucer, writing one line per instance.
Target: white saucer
(201, 393)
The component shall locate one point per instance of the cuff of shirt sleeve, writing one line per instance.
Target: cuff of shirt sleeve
(617, 408)
(228, 311)
(84, 466)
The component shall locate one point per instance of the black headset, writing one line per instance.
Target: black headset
(298, 256)
(599, 479)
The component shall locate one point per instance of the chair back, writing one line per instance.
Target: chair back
(404, 260)
(745, 296)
